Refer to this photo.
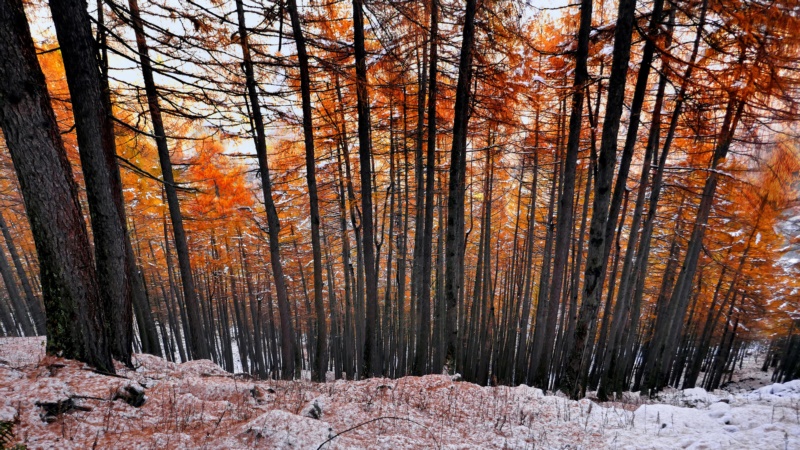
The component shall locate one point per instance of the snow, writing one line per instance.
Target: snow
(198, 405)
(790, 389)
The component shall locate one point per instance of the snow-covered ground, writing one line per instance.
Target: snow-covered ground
(57, 403)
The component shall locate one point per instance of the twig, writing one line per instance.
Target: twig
(375, 420)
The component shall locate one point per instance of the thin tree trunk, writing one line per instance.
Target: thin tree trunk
(37, 312)
(319, 370)
(17, 304)
(273, 221)
(372, 354)
(454, 243)
(576, 373)
(198, 342)
(422, 361)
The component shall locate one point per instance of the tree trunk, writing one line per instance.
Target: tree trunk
(35, 307)
(287, 333)
(595, 265)
(95, 132)
(422, 361)
(454, 242)
(319, 370)
(17, 304)
(372, 354)
(198, 342)
(75, 322)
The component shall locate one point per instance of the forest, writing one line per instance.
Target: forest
(590, 196)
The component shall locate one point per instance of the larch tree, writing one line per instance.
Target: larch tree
(73, 302)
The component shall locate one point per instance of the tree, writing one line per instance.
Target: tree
(454, 247)
(273, 221)
(75, 318)
(320, 369)
(372, 354)
(197, 337)
(95, 132)
(605, 174)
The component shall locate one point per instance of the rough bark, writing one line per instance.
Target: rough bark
(320, 368)
(372, 354)
(97, 149)
(75, 322)
(454, 239)
(595, 266)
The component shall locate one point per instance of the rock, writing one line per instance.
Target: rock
(51, 410)
(283, 430)
(131, 394)
(313, 410)
(695, 397)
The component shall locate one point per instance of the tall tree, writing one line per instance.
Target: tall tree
(424, 300)
(321, 366)
(454, 239)
(273, 221)
(372, 354)
(197, 342)
(539, 360)
(97, 148)
(75, 318)
(606, 163)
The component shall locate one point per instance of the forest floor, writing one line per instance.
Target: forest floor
(58, 403)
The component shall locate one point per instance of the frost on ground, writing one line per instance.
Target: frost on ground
(57, 403)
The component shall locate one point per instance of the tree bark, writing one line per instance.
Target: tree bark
(199, 346)
(319, 370)
(273, 221)
(595, 266)
(372, 354)
(422, 361)
(97, 148)
(75, 322)
(454, 240)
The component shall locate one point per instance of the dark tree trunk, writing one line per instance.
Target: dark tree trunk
(320, 368)
(527, 278)
(672, 323)
(650, 360)
(595, 265)
(419, 205)
(198, 342)
(17, 304)
(75, 322)
(33, 303)
(540, 358)
(95, 131)
(7, 319)
(273, 222)
(358, 306)
(372, 354)
(454, 242)
(422, 360)
(349, 335)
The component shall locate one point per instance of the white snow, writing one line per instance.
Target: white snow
(199, 405)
